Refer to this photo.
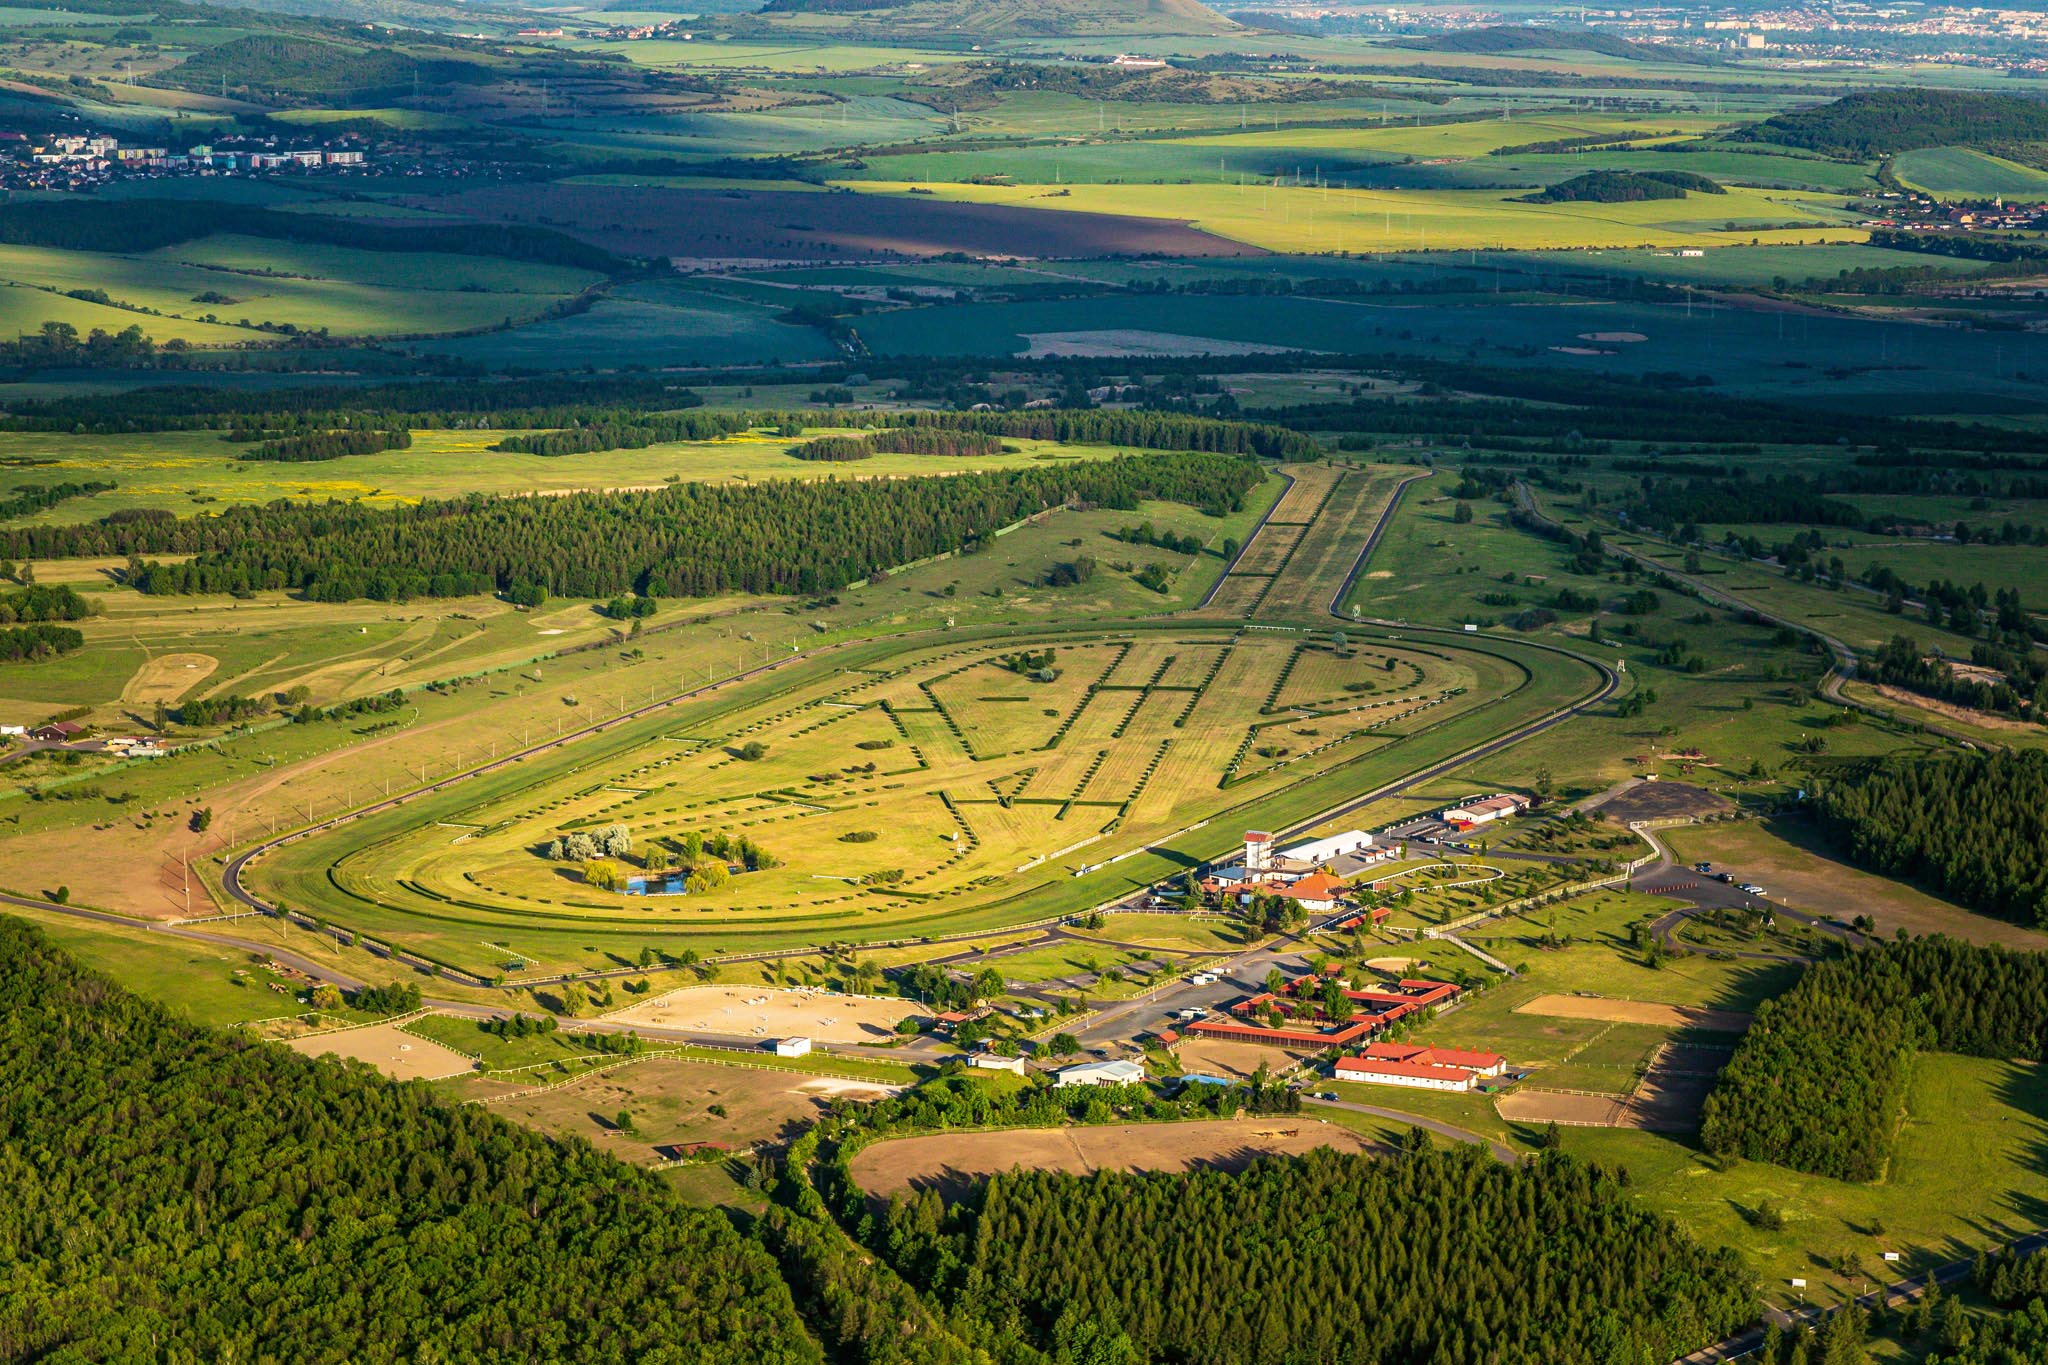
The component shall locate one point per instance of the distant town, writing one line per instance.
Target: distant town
(71, 161)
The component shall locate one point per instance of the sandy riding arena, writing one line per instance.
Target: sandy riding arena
(168, 677)
(398, 1054)
(1556, 1106)
(757, 1012)
(955, 1160)
(1635, 1012)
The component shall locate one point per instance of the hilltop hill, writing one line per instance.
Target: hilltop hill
(1501, 39)
(1877, 122)
(1017, 18)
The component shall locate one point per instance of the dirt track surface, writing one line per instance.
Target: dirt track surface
(1635, 1012)
(951, 1162)
(780, 225)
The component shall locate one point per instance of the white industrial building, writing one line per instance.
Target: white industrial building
(989, 1061)
(1117, 1072)
(1320, 851)
(792, 1047)
(1486, 811)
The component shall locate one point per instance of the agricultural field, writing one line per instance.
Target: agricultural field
(217, 291)
(1309, 219)
(1966, 173)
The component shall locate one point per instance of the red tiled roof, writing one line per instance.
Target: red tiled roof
(1316, 886)
(1419, 1055)
(1284, 1037)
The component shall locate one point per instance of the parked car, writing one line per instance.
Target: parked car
(1753, 890)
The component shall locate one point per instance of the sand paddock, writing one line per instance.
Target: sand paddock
(1557, 1106)
(762, 1014)
(1225, 1057)
(1668, 1100)
(1635, 1012)
(1613, 336)
(952, 1161)
(398, 1054)
(167, 677)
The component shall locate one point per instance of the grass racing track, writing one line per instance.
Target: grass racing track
(996, 818)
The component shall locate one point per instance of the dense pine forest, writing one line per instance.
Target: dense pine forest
(1975, 828)
(1436, 1258)
(329, 445)
(1818, 1082)
(917, 432)
(175, 1193)
(689, 540)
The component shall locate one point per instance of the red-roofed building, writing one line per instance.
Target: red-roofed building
(1420, 1066)
(1416, 1054)
(1406, 1073)
(1303, 1022)
(1317, 891)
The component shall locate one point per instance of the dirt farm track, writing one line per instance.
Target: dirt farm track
(952, 1161)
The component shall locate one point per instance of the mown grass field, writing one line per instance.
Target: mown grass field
(1969, 1172)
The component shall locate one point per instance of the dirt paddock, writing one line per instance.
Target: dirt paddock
(760, 1013)
(951, 1162)
(1668, 1100)
(1222, 1057)
(675, 1100)
(1635, 1012)
(1662, 801)
(1558, 1106)
(398, 1054)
